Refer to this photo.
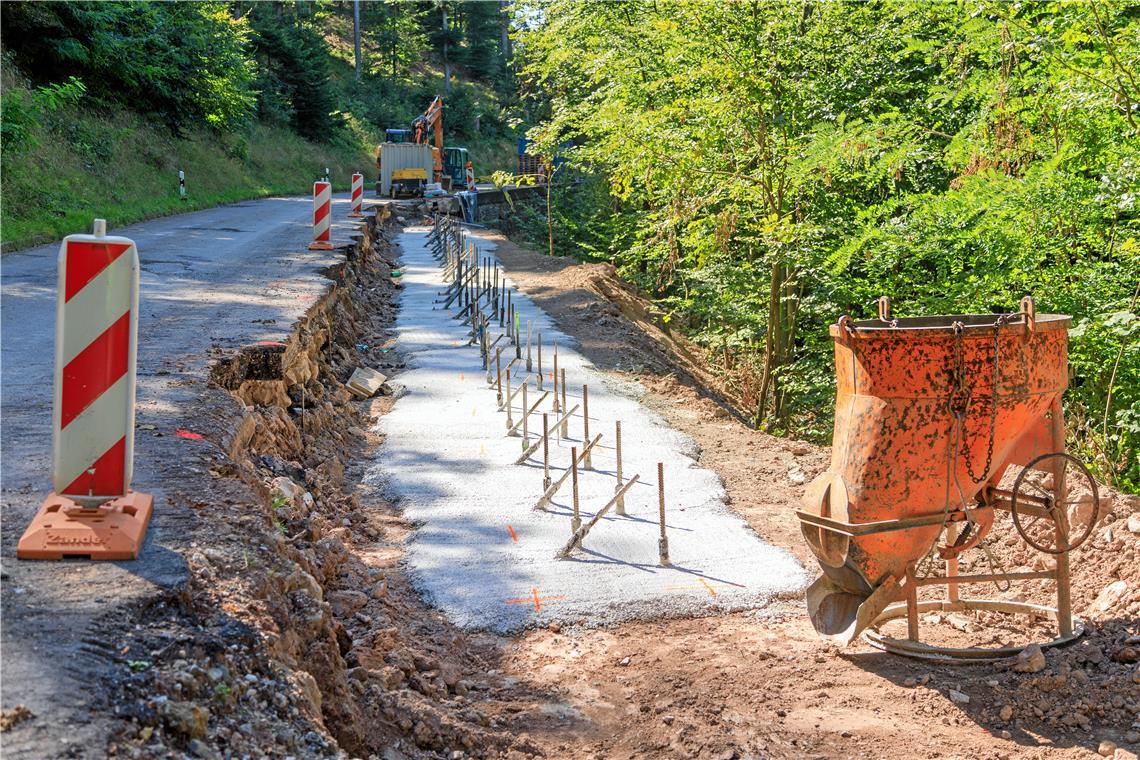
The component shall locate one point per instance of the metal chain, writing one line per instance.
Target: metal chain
(961, 394)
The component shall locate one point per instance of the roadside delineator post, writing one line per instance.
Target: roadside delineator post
(91, 512)
(181, 185)
(322, 216)
(357, 196)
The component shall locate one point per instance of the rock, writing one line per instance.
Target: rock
(186, 718)
(1123, 754)
(1108, 597)
(910, 683)
(1106, 748)
(796, 477)
(402, 659)
(1126, 654)
(1132, 737)
(199, 748)
(1093, 655)
(380, 590)
(344, 603)
(958, 697)
(624, 662)
(1006, 713)
(1005, 735)
(667, 719)
(1136, 675)
(555, 627)
(959, 621)
(1029, 660)
(1134, 522)
(285, 487)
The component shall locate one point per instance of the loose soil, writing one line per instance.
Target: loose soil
(762, 684)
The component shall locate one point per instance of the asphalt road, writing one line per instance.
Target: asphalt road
(214, 279)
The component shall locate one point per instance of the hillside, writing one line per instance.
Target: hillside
(74, 148)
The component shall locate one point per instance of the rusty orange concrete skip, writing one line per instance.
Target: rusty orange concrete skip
(892, 445)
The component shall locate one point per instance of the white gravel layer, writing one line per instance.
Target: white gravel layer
(482, 554)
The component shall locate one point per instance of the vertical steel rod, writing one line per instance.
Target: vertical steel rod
(566, 420)
(545, 451)
(587, 462)
(576, 522)
(619, 507)
(539, 341)
(663, 542)
(556, 409)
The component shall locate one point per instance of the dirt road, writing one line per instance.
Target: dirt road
(210, 280)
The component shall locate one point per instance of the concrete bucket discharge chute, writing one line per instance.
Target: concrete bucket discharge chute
(933, 416)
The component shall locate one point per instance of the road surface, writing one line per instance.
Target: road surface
(213, 279)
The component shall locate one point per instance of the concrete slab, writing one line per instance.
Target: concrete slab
(484, 555)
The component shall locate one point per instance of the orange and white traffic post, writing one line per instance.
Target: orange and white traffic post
(92, 512)
(322, 216)
(357, 195)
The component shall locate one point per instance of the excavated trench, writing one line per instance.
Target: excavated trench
(298, 633)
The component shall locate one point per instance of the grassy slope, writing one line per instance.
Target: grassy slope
(124, 169)
(81, 164)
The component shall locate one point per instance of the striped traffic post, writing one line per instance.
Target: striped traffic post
(470, 177)
(357, 195)
(92, 512)
(322, 216)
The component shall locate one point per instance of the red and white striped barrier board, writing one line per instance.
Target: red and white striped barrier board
(322, 216)
(470, 177)
(92, 512)
(357, 195)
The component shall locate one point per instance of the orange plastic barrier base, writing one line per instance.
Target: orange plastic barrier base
(63, 529)
(320, 245)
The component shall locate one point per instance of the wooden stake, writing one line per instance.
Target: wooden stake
(526, 417)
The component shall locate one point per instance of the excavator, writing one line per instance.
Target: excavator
(450, 163)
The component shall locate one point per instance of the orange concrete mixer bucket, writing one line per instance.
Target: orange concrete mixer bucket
(929, 414)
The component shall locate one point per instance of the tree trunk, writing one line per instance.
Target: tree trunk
(446, 62)
(356, 35)
(773, 340)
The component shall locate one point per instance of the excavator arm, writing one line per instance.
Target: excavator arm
(428, 129)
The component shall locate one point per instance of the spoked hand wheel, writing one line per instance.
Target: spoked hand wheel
(1044, 494)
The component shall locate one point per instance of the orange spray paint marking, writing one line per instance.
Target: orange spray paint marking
(712, 591)
(535, 599)
(461, 377)
(188, 435)
(513, 535)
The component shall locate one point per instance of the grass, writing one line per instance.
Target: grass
(75, 166)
